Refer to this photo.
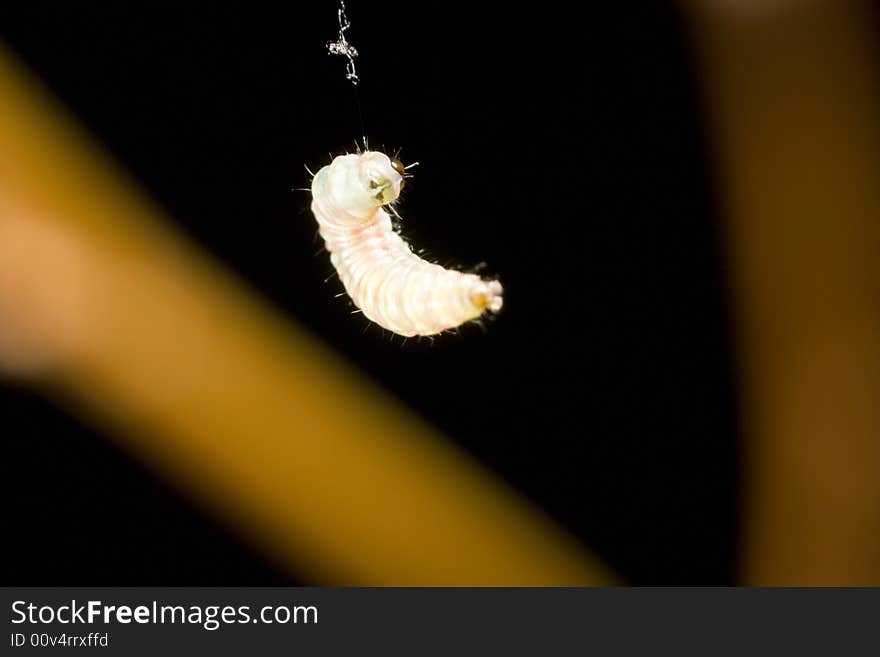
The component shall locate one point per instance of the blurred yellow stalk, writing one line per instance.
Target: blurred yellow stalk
(102, 302)
(794, 98)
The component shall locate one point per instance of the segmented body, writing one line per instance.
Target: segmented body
(390, 284)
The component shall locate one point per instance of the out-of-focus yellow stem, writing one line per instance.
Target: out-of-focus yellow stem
(795, 105)
(103, 302)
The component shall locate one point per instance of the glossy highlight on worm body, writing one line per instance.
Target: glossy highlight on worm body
(390, 284)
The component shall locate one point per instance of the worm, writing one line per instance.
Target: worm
(390, 284)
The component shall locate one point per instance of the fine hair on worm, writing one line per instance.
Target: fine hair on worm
(390, 284)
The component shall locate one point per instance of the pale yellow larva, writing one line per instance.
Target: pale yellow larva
(390, 284)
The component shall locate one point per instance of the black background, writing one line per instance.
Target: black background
(567, 152)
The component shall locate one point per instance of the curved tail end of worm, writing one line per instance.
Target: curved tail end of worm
(488, 296)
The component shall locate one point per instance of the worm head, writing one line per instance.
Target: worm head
(356, 184)
(380, 177)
